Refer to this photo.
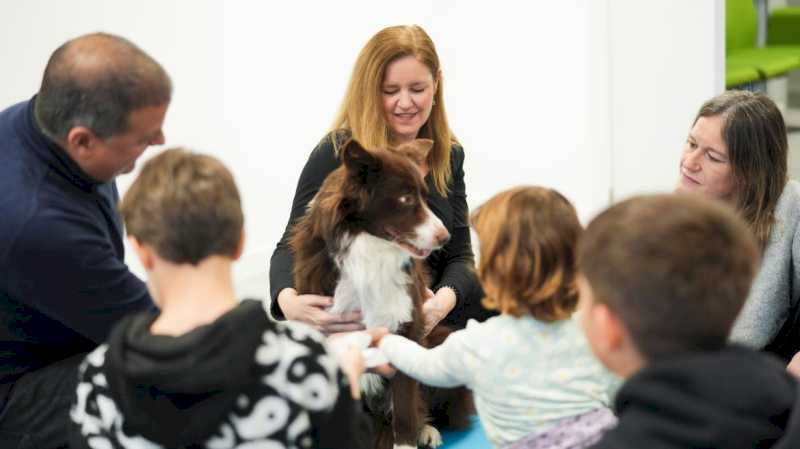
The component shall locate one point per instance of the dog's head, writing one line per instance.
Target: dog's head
(382, 194)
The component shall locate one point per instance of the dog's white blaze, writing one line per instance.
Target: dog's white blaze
(373, 280)
(425, 233)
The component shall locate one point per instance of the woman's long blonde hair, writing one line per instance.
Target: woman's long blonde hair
(362, 113)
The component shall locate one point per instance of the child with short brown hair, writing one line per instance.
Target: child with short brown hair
(529, 367)
(208, 370)
(662, 280)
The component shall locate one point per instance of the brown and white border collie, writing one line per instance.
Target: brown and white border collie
(362, 241)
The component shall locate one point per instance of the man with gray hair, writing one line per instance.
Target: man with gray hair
(63, 280)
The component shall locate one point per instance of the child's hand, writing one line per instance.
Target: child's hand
(350, 358)
(353, 367)
(386, 370)
(377, 333)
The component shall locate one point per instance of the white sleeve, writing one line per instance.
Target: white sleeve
(444, 366)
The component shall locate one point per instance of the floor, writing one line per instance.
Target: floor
(471, 438)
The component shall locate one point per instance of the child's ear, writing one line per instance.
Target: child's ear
(240, 248)
(143, 252)
(613, 344)
(609, 326)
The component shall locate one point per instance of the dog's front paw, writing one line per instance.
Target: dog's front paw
(430, 437)
(403, 446)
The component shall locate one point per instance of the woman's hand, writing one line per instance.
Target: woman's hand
(436, 307)
(310, 309)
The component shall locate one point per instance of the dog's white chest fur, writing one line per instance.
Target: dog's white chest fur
(373, 280)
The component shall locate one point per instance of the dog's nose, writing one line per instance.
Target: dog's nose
(442, 236)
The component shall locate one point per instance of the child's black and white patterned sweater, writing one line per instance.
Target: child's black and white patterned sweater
(242, 381)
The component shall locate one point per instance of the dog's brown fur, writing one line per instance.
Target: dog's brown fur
(349, 201)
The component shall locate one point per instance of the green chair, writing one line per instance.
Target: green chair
(744, 61)
(784, 27)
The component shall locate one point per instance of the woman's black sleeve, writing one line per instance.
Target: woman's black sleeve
(321, 162)
(458, 271)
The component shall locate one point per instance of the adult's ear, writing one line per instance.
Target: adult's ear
(360, 163)
(417, 150)
(80, 143)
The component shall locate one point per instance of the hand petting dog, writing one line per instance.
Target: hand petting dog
(436, 307)
(311, 310)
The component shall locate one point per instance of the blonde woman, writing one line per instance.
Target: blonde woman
(395, 95)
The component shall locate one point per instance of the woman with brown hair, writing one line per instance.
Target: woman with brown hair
(737, 152)
(395, 95)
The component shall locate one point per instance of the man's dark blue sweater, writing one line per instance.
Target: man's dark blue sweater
(63, 280)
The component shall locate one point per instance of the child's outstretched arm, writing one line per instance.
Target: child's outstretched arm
(445, 366)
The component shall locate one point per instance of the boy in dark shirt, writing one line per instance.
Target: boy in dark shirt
(662, 281)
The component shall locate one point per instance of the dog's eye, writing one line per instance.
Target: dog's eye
(406, 200)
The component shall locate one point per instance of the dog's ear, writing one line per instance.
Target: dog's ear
(417, 150)
(361, 164)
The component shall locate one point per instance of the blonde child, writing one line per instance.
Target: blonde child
(530, 367)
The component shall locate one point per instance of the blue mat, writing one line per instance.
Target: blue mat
(470, 438)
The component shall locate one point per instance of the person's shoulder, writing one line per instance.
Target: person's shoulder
(787, 211)
(7, 114)
(455, 146)
(791, 194)
(456, 152)
(52, 212)
(456, 158)
(326, 152)
(333, 140)
(21, 175)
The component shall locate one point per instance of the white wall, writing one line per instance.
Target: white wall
(666, 59)
(538, 92)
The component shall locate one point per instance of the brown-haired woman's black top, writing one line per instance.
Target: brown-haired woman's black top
(451, 266)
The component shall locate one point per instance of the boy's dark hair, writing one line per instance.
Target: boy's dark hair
(676, 269)
(186, 206)
(527, 238)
